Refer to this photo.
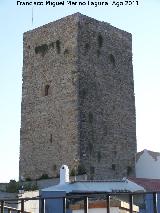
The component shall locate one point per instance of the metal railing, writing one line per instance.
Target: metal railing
(83, 196)
(9, 209)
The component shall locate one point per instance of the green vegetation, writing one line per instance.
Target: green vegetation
(72, 172)
(14, 186)
(81, 169)
(44, 176)
(78, 171)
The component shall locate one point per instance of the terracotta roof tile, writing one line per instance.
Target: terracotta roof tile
(148, 184)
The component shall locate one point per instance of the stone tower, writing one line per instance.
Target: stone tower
(78, 104)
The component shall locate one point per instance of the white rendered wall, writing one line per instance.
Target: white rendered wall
(31, 205)
(98, 210)
(147, 166)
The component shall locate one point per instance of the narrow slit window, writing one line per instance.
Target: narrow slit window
(50, 138)
(100, 40)
(46, 91)
(114, 167)
(112, 59)
(58, 47)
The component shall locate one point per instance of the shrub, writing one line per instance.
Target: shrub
(12, 186)
(81, 169)
(44, 176)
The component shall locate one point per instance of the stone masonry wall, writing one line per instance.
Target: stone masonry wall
(106, 99)
(78, 99)
(49, 99)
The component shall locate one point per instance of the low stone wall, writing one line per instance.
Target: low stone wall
(41, 184)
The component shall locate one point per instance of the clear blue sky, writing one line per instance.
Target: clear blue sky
(142, 21)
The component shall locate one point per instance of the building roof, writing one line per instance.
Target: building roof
(154, 155)
(124, 185)
(147, 184)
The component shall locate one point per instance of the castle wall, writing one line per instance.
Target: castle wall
(49, 99)
(78, 99)
(106, 99)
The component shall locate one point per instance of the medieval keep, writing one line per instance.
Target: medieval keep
(78, 104)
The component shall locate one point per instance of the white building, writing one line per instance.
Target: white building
(66, 187)
(148, 164)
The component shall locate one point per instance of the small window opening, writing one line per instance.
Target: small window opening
(100, 40)
(114, 167)
(42, 49)
(58, 47)
(87, 47)
(112, 59)
(50, 138)
(46, 92)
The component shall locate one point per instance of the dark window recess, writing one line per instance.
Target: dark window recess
(90, 117)
(114, 167)
(87, 47)
(99, 156)
(66, 52)
(58, 46)
(42, 49)
(129, 170)
(100, 40)
(50, 138)
(112, 59)
(92, 169)
(46, 91)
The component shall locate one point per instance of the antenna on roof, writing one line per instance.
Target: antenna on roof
(32, 13)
